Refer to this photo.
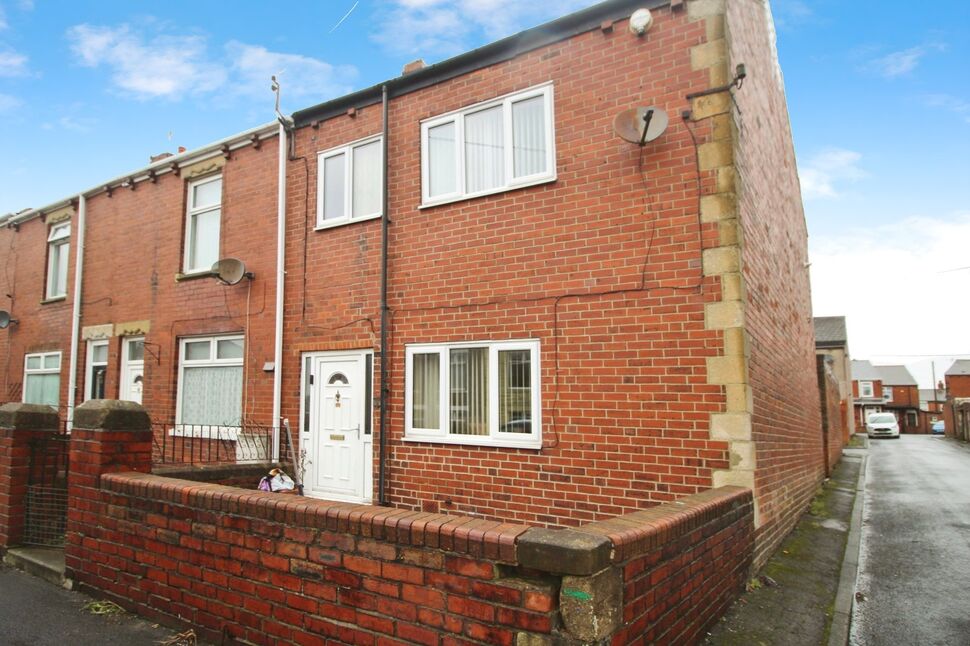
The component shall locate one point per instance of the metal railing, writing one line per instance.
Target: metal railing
(209, 444)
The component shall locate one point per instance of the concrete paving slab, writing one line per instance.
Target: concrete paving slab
(792, 601)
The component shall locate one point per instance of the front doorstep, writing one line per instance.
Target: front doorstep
(44, 562)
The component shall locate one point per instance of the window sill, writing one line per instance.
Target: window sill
(533, 444)
(54, 299)
(344, 222)
(495, 191)
(194, 275)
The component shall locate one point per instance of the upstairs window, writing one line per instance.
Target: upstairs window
(42, 378)
(887, 393)
(202, 225)
(58, 246)
(865, 389)
(349, 183)
(474, 393)
(489, 147)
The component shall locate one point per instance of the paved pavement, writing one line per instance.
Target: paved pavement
(914, 570)
(34, 612)
(792, 601)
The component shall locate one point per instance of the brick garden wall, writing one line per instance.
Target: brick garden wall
(786, 420)
(269, 568)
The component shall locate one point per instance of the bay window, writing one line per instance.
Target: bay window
(474, 393)
(490, 147)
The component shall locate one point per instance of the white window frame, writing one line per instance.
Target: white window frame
(90, 363)
(59, 236)
(864, 386)
(190, 212)
(887, 393)
(206, 431)
(42, 371)
(532, 440)
(458, 118)
(348, 151)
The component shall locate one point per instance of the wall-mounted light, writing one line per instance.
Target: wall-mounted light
(640, 21)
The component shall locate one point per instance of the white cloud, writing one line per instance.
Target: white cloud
(162, 66)
(12, 63)
(949, 103)
(172, 66)
(904, 61)
(8, 103)
(895, 285)
(823, 174)
(300, 76)
(446, 27)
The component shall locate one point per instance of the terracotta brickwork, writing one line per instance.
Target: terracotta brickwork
(267, 568)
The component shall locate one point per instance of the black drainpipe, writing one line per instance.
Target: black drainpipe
(385, 221)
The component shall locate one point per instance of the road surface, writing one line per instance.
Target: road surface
(914, 570)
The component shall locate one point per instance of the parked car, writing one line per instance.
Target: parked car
(882, 425)
(938, 428)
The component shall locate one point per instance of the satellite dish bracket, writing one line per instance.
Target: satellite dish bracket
(648, 115)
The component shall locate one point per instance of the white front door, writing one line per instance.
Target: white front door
(337, 426)
(132, 368)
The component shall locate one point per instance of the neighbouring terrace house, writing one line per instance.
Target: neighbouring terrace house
(491, 305)
(832, 339)
(886, 388)
(957, 409)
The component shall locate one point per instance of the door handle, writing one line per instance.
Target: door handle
(358, 430)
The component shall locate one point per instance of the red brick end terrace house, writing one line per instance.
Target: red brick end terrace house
(492, 305)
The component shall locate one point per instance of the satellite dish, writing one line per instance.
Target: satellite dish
(640, 125)
(230, 270)
(5, 319)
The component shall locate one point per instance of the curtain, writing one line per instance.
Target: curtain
(367, 179)
(442, 178)
(212, 395)
(469, 391)
(334, 178)
(515, 391)
(42, 389)
(59, 270)
(484, 150)
(205, 239)
(529, 136)
(426, 398)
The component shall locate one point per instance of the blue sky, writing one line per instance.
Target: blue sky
(878, 90)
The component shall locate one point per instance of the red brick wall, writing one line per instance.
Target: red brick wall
(676, 586)
(832, 418)
(778, 316)
(268, 568)
(625, 403)
(958, 385)
(134, 250)
(43, 327)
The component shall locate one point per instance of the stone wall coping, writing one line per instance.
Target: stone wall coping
(644, 531)
(614, 540)
(111, 415)
(28, 417)
(475, 537)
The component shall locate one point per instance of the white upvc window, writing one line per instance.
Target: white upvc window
(42, 378)
(97, 370)
(58, 248)
(887, 393)
(494, 146)
(482, 393)
(202, 223)
(865, 389)
(210, 382)
(350, 183)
